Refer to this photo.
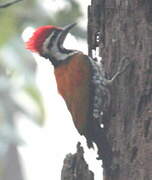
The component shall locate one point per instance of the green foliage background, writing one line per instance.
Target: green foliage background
(17, 67)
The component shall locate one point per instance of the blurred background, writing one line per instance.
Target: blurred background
(36, 130)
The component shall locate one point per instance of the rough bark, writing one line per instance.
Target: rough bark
(124, 28)
(75, 167)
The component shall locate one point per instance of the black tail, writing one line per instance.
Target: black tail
(97, 135)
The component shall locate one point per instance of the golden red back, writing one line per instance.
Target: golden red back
(73, 82)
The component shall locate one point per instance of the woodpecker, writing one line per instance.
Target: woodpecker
(80, 80)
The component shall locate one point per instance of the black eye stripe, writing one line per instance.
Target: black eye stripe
(54, 36)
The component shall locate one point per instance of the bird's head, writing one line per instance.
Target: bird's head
(48, 41)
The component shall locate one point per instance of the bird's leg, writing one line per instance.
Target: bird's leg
(122, 66)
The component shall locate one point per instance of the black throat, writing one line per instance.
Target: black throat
(57, 62)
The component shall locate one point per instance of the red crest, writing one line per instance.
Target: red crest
(36, 41)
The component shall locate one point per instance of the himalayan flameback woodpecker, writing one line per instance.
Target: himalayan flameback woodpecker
(80, 81)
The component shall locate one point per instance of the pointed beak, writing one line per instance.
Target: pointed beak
(64, 33)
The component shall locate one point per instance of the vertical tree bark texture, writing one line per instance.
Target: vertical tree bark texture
(124, 28)
(75, 167)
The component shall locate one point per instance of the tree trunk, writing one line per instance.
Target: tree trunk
(124, 28)
(75, 167)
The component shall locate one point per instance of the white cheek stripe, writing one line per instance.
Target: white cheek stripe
(54, 51)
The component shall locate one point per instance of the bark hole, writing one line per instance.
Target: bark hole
(146, 127)
(142, 104)
(150, 64)
(134, 153)
(148, 12)
(127, 124)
